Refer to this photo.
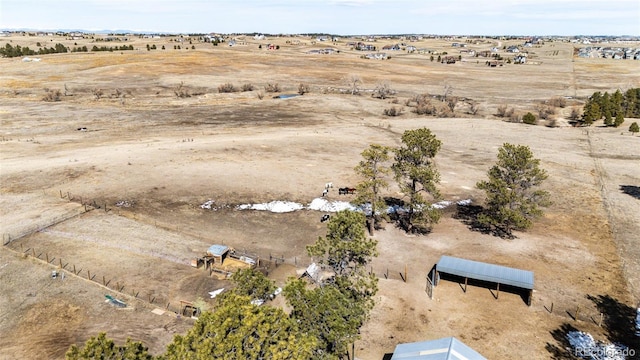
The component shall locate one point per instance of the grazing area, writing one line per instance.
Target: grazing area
(118, 168)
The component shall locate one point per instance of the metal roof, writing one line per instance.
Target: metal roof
(217, 250)
(487, 272)
(442, 349)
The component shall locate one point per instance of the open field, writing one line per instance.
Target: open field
(160, 157)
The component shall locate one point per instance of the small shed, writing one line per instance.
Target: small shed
(448, 348)
(496, 274)
(218, 252)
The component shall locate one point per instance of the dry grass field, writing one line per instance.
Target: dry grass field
(152, 158)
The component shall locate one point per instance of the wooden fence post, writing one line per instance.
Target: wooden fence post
(577, 312)
(405, 272)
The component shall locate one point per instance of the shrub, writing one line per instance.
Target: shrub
(52, 95)
(260, 95)
(505, 112)
(303, 89)
(545, 112)
(227, 88)
(247, 87)
(513, 117)
(181, 91)
(271, 88)
(392, 111)
(529, 118)
(575, 114)
(425, 108)
(558, 102)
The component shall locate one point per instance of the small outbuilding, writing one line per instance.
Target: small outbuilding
(442, 349)
(218, 252)
(485, 273)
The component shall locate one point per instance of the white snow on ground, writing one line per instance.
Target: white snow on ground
(321, 204)
(274, 206)
(584, 346)
(330, 206)
(208, 204)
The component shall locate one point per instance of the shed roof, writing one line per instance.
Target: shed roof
(442, 349)
(218, 250)
(487, 272)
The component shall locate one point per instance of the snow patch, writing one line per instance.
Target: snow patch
(584, 346)
(330, 206)
(274, 206)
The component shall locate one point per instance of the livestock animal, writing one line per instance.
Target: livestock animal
(325, 217)
(346, 191)
(325, 192)
(328, 185)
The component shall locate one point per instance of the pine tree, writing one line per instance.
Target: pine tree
(417, 175)
(512, 203)
(372, 170)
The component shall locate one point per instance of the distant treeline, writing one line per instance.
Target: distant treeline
(612, 107)
(15, 51)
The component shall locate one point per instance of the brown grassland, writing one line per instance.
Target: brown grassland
(163, 156)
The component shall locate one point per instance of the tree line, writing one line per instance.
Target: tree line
(326, 313)
(612, 107)
(10, 51)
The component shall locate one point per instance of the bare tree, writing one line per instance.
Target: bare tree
(67, 92)
(383, 90)
(474, 108)
(354, 83)
(451, 102)
(181, 91)
(448, 91)
(97, 93)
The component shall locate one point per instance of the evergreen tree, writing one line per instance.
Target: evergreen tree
(619, 119)
(240, 330)
(372, 170)
(334, 311)
(512, 203)
(417, 175)
(101, 347)
(634, 128)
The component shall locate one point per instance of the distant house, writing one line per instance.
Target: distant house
(520, 59)
(259, 37)
(393, 47)
(364, 47)
(377, 56)
(411, 48)
(513, 49)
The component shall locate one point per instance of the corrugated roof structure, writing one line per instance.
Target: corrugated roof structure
(486, 272)
(218, 250)
(442, 349)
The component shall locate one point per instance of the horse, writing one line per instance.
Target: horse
(325, 217)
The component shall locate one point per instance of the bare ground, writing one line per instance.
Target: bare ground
(165, 156)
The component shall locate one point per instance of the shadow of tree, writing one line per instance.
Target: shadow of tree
(631, 190)
(619, 321)
(401, 220)
(468, 215)
(562, 349)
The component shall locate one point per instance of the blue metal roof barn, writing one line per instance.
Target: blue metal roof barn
(469, 269)
(442, 349)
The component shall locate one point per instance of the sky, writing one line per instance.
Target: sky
(340, 17)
